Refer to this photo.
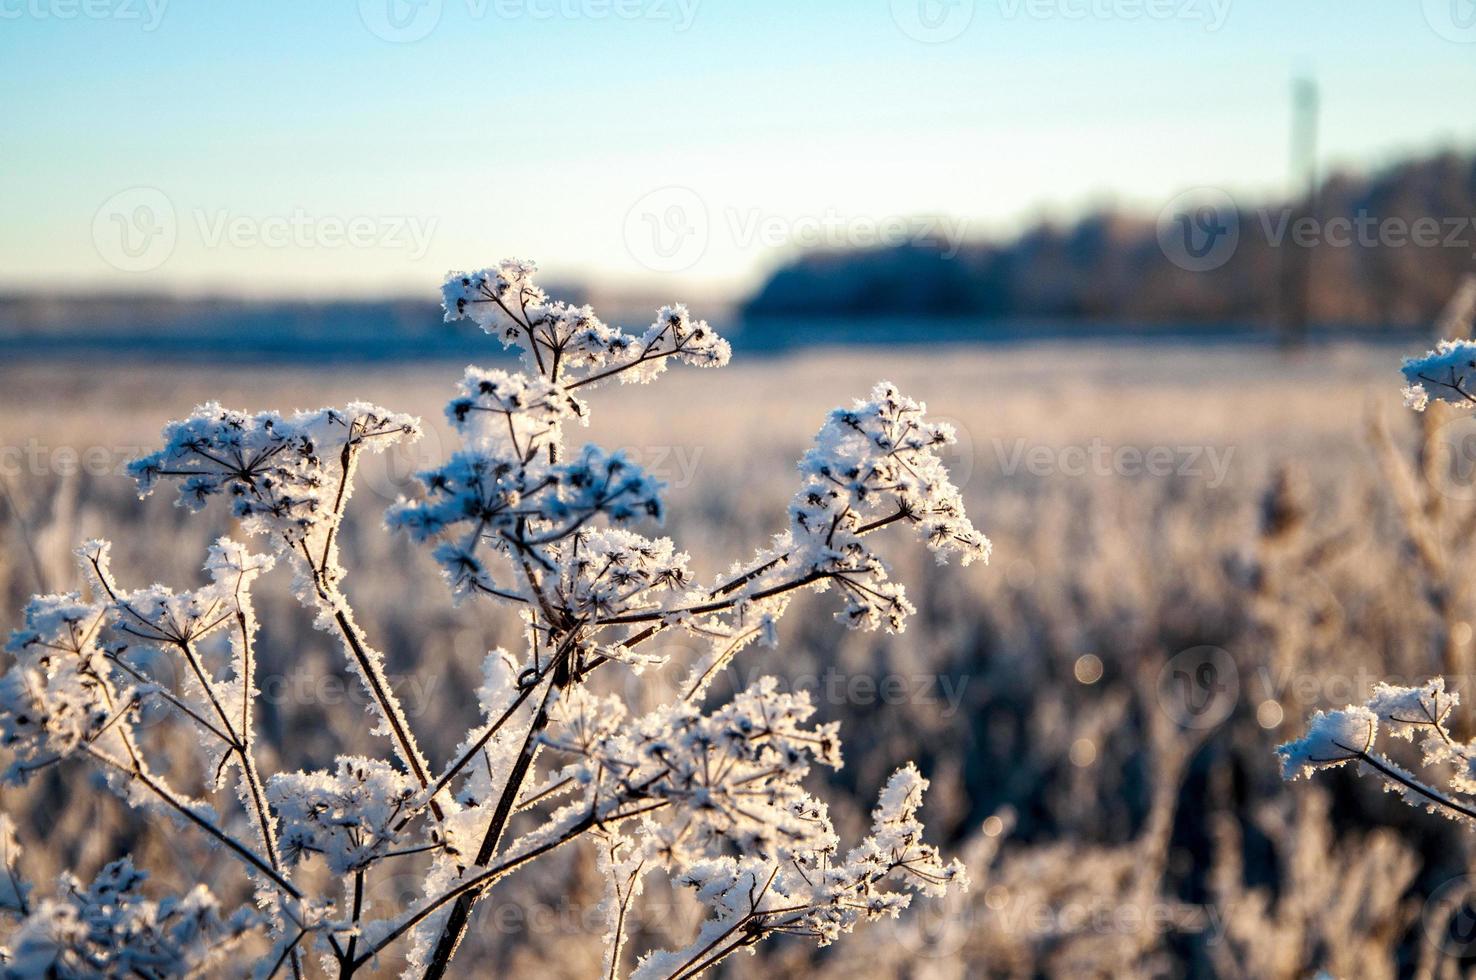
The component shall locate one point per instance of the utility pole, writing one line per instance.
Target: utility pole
(1294, 305)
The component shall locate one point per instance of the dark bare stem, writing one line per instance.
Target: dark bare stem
(347, 966)
(1394, 775)
(383, 694)
(248, 760)
(291, 951)
(754, 573)
(208, 684)
(719, 662)
(328, 591)
(460, 918)
(482, 881)
(498, 593)
(482, 740)
(625, 898)
(601, 376)
(169, 696)
(701, 958)
(378, 685)
(717, 605)
(1454, 384)
(236, 847)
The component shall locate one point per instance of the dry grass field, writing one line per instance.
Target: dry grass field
(1194, 548)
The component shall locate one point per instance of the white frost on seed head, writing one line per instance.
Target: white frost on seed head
(1409, 709)
(505, 303)
(1442, 374)
(1333, 738)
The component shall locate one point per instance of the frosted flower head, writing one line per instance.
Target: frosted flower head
(691, 341)
(1339, 737)
(878, 460)
(231, 564)
(57, 697)
(1407, 710)
(158, 615)
(64, 624)
(469, 488)
(480, 296)
(874, 464)
(599, 482)
(896, 842)
(818, 893)
(734, 774)
(1443, 374)
(511, 415)
(347, 816)
(109, 928)
(581, 722)
(1333, 738)
(613, 571)
(281, 475)
(476, 502)
(561, 341)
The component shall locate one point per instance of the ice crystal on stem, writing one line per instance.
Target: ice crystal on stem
(714, 797)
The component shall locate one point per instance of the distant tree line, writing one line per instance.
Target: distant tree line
(1386, 249)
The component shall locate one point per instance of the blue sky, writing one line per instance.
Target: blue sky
(289, 147)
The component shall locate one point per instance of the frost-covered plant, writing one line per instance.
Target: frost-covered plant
(711, 796)
(109, 928)
(1416, 714)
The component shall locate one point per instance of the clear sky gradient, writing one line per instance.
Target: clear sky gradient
(353, 147)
